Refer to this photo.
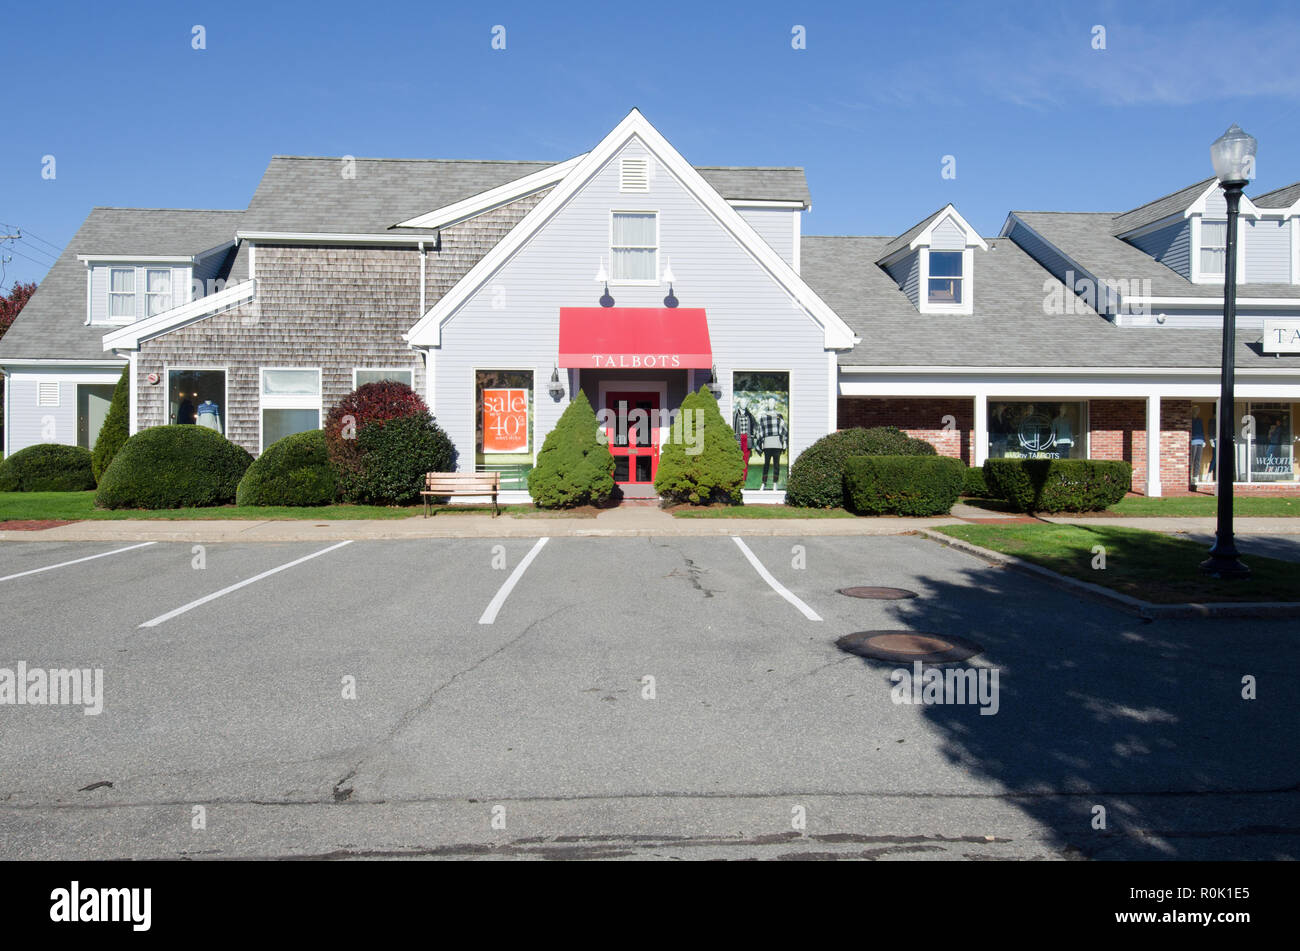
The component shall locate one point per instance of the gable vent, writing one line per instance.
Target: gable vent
(636, 175)
(47, 394)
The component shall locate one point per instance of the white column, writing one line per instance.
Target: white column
(1153, 446)
(980, 451)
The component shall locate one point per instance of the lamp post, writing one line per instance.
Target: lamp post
(1233, 154)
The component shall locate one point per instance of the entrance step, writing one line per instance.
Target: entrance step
(639, 492)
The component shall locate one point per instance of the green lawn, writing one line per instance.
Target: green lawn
(1147, 565)
(1141, 506)
(758, 511)
(73, 506)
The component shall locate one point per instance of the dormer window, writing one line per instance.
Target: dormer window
(121, 293)
(158, 289)
(1214, 246)
(945, 277)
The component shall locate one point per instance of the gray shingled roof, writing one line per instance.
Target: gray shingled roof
(310, 195)
(1088, 239)
(1009, 326)
(1283, 197)
(904, 239)
(1159, 209)
(53, 323)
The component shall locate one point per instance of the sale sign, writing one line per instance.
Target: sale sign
(505, 420)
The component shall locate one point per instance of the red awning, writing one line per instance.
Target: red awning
(635, 338)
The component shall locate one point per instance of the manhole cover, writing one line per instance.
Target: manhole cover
(874, 593)
(908, 646)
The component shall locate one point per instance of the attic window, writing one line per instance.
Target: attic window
(945, 277)
(1214, 246)
(635, 175)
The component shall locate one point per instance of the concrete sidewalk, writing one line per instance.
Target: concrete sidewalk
(626, 521)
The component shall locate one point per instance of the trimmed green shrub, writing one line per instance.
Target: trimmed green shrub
(701, 462)
(47, 467)
(116, 426)
(396, 454)
(975, 486)
(1058, 485)
(575, 466)
(817, 476)
(902, 485)
(168, 467)
(371, 404)
(294, 470)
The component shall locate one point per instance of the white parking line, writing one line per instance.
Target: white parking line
(494, 605)
(235, 587)
(779, 588)
(77, 561)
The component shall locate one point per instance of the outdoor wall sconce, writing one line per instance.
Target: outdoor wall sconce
(603, 278)
(671, 299)
(556, 388)
(714, 387)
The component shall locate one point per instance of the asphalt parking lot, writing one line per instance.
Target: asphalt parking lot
(621, 697)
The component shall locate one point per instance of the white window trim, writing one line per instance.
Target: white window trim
(134, 294)
(168, 303)
(166, 383)
(303, 401)
(657, 247)
(356, 370)
(967, 279)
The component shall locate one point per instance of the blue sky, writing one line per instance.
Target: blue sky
(1033, 115)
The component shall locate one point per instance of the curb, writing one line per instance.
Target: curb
(1143, 609)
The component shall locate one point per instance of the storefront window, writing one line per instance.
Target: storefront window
(503, 423)
(1203, 440)
(1265, 442)
(198, 397)
(1038, 430)
(291, 402)
(760, 416)
(361, 377)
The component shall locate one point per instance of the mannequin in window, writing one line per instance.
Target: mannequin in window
(744, 424)
(209, 415)
(185, 412)
(1063, 434)
(773, 436)
(1198, 447)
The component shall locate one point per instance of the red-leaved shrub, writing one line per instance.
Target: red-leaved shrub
(368, 405)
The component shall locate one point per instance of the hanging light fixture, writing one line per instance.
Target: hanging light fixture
(556, 388)
(671, 299)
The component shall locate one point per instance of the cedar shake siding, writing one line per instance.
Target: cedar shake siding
(336, 308)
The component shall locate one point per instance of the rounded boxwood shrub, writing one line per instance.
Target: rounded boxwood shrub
(816, 478)
(370, 404)
(294, 470)
(902, 485)
(395, 455)
(1058, 485)
(47, 467)
(168, 467)
(575, 466)
(115, 430)
(701, 462)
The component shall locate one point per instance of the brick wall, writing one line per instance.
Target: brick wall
(921, 417)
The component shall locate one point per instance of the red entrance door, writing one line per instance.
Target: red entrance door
(633, 436)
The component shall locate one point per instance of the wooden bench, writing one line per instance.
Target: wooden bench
(449, 484)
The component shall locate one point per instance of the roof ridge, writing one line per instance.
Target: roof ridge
(454, 161)
(1155, 201)
(207, 211)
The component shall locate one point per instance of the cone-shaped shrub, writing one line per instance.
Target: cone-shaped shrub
(294, 470)
(574, 467)
(47, 467)
(115, 430)
(817, 476)
(702, 462)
